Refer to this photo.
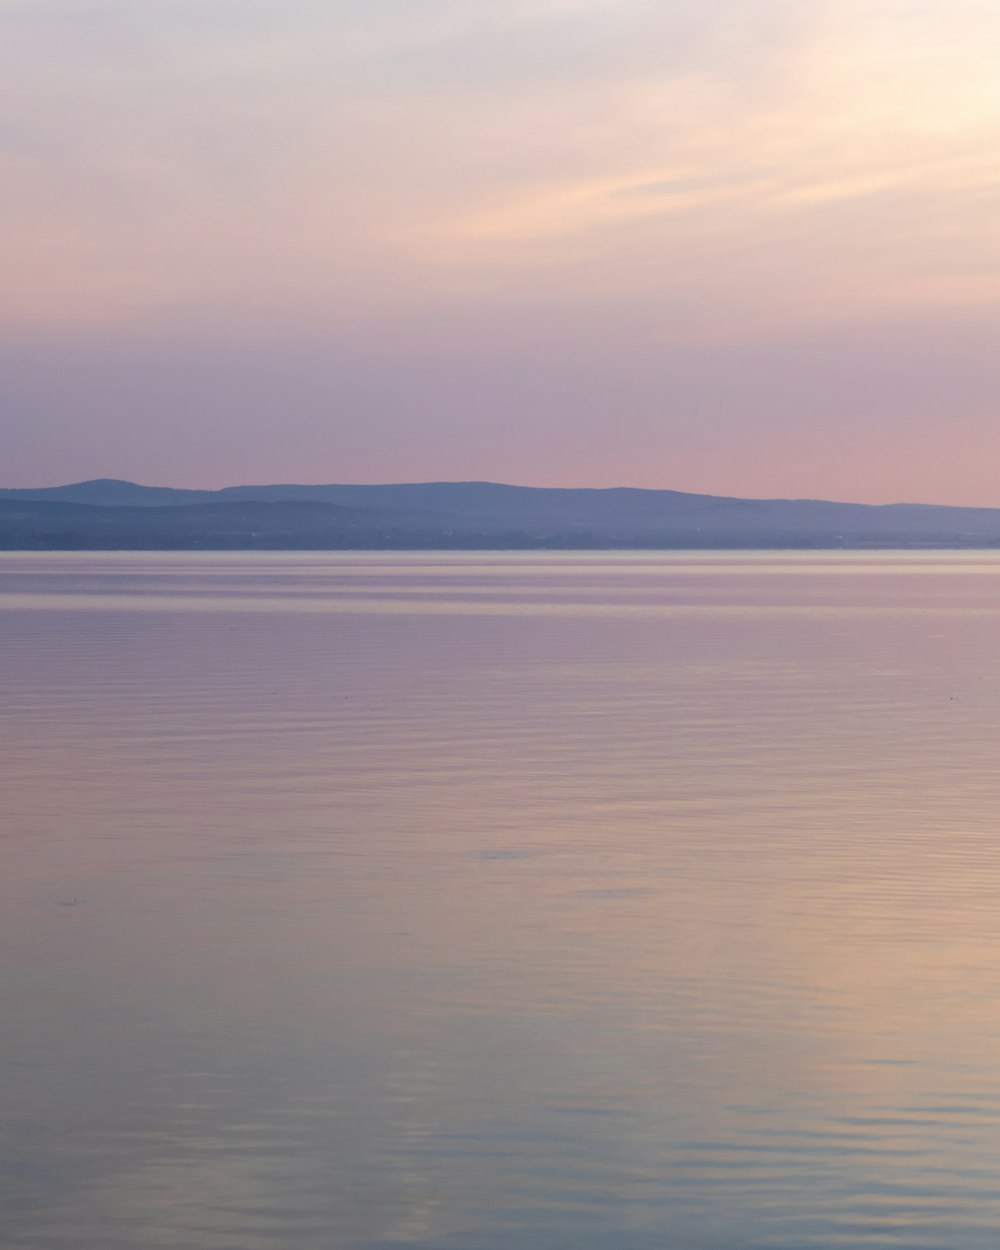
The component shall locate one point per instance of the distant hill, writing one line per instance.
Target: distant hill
(108, 514)
(110, 492)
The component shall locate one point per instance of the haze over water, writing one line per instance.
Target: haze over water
(461, 902)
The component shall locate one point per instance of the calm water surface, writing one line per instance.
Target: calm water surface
(460, 902)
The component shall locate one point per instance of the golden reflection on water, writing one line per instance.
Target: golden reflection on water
(605, 923)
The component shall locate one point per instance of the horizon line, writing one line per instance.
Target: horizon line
(647, 490)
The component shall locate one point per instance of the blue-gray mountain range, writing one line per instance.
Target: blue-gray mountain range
(108, 514)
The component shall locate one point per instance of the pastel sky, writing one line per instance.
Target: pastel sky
(747, 246)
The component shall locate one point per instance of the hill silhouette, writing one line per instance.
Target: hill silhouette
(109, 514)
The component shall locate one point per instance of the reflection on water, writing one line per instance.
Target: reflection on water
(598, 902)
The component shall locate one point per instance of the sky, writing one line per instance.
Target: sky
(746, 247)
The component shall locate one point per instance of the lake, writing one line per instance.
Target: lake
(550, 901)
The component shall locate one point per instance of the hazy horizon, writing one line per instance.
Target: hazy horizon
(483, 481)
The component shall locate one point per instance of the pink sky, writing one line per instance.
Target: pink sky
(746, 248)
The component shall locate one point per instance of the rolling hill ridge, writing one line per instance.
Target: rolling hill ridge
(108, 514)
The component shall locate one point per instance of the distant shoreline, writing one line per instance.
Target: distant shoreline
(108, 515)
